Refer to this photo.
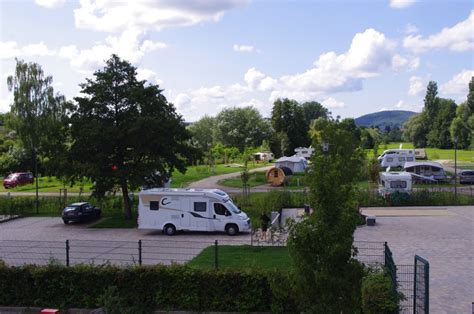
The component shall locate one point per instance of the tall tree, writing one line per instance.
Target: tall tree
(37, 115)
(125, 133)
(415, 130)
(242, 127)
(431, 99)
(314, 110)
(327, 277)
(439, 135)
(288, 118)
(204, 133)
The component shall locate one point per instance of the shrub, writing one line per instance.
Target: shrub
(378, 295)
(142, 289)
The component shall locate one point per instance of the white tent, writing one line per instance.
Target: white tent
(295, 163)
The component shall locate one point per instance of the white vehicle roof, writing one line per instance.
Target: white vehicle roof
(410, 164)
(395, 175)
(214, 193)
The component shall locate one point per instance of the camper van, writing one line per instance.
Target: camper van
(396, 157)
(172, 210)
(391, 182)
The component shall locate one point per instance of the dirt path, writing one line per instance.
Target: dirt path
(212, 182)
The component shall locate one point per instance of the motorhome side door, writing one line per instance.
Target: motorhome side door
(221, 216)
(200, 212)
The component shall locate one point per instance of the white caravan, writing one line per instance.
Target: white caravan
(171, 210)
(391, 182)
(396, 157)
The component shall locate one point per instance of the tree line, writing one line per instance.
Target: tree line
(442, 123)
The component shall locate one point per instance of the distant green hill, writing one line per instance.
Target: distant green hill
(382, 119)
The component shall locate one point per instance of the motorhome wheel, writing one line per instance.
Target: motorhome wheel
(231, 229)
(170, 230)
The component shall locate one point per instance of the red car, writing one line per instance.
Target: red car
(18, 178)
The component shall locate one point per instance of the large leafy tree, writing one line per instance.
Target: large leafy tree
(204, 133)
(37, 114)
(242, 127)
(439, 124)
(125, 133)
(290, 122)
(314, 110)
(327, 277)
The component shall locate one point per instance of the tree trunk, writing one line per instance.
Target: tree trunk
(127, 206)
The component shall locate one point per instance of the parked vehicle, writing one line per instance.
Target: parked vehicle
(79, 212)
(391, 182)
(466, 177)
(426, 171)
(18, 178)
(172, 210)
(396, 157)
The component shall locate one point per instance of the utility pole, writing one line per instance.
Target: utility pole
(36, 179)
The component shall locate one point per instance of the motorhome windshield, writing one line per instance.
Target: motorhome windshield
(232, 207)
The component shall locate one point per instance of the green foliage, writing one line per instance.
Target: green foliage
(327, 278)
(378, 296)
(460, 127)
(439, 134)
(125, 133)
(203, 133)
(242, 127)
(290, 123)
(143, 289)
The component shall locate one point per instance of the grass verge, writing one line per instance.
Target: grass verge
(243, 257)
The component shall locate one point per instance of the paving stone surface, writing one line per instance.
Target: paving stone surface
(447, 242)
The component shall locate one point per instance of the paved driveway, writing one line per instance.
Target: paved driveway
(447, 242)
(38, 240)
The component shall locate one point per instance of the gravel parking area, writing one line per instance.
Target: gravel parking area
(40, 240)
(447, 242)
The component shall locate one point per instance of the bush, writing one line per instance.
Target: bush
(378, 295)
(142, 289)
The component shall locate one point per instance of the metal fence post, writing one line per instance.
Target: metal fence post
(140, 252)
(414, 285)
(427, 287)
(216, 265)
(67, 252)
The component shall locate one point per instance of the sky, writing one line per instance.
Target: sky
(352, 56)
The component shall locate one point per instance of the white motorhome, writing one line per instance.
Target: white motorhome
(396, 157)
(172, 210)
(391, 182)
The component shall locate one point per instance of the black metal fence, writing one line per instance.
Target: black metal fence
(421, 289)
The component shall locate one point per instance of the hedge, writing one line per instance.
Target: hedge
(142, 289)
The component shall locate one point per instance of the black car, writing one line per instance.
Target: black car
(80, 212)
(466, 177)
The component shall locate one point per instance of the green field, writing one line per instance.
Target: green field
(433, 153)
(49, 184)
(243, 257)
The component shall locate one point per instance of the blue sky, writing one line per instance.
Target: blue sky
(354, 57)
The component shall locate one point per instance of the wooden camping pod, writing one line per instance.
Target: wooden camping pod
(278, 176)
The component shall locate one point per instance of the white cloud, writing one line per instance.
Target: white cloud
(245, 48)
(10, 49)
(115, 16)
(459, 84)
(458, 38)
(182, 100)
(401, 4)
(129, 46)
(411, 29)
(401, 105)
(257, 80)
(416, 86)
(369, 54)
(148, 75)
(400, 63)
(50, 4)
(332, 103)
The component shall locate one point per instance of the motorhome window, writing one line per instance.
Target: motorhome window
(233, 208)
(401, 158)
(219, 209)
(200, 206)
(398, 184)
(383, 183)
(389, 159)
(409, 158)
(154, 205)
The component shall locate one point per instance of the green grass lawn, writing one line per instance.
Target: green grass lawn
(48, 184)
(243, 257)
(258, 178)
(433, 153)
(195, 173)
